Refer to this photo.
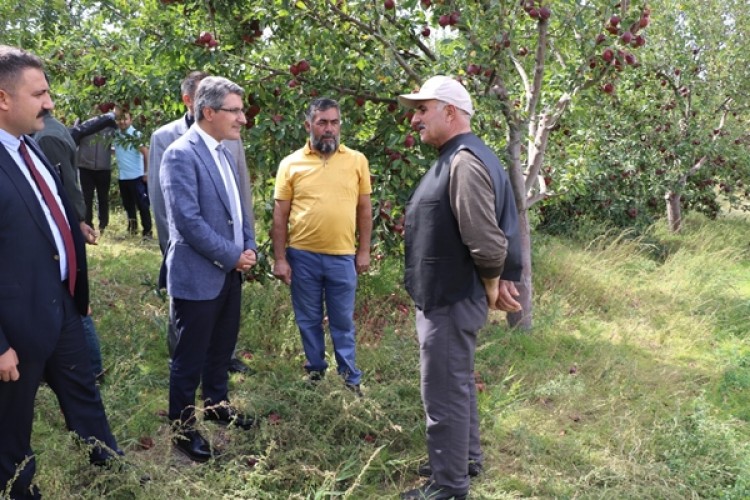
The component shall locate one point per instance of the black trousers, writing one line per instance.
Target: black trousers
(207, 332)
(68, 373)
(99, 181)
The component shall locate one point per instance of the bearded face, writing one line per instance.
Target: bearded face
(325, 130)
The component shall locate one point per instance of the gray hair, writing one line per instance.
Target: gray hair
(322, 104)
(191, 81)
(211, 93)
(13, 61)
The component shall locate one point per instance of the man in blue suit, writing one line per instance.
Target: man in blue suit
(160, 141)
(211, 243)
(43, 286)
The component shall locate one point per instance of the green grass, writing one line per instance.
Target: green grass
(634, 383)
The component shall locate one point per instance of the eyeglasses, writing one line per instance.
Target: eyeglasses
(234, 111)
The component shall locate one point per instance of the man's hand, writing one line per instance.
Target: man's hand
(362, 261)
(89, 234)
(246, 261)
(9, 366)
(500, 295)
(506, 297)
(282, 271)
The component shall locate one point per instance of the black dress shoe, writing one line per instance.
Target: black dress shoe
(226, 415)
(432, 491)
(475, 468)
(355, 389)
(191, 443)
(237, 366)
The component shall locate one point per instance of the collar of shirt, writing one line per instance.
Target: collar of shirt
(10, 142)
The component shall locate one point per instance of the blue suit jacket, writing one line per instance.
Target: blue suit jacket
(201, 247)
(161, 139)
(31, 297)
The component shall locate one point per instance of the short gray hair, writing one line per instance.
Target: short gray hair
(211, 93)
(321, 104)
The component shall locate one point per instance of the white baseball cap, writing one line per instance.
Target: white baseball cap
(442, 88)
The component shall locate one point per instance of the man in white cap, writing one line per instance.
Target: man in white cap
(462, 256)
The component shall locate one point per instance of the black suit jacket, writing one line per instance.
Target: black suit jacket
(30, 292)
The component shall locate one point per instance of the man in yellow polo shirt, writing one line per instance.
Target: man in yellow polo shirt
(322, 205)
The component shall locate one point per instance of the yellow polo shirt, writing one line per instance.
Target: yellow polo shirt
(323, 195)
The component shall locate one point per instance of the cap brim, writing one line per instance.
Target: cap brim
(412, 100)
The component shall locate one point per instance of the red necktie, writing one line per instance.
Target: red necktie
(57, 215)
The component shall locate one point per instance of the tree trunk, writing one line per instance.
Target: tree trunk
(523, 320)
(674, 211)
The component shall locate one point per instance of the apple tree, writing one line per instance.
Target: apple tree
(527, 64)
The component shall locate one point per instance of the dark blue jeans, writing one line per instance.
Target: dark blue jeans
(330, 280)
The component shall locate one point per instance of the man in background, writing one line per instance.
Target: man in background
(132, 165)
(94, 162)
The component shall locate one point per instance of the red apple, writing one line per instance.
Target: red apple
(359, 101)
(426, 32)
(455, 17)
(389, 4)
(99, 80)
(473, 69)
(544, 13)
(626, 37)
(600, 38)
(426, 3)
(205, 37)
(643, 21)
(253, 110)
(409, 141)
(614, 20)
(608, 55)
(303, 66)
(534, 14)
(294, 69)
(608, 88)
(444, 20)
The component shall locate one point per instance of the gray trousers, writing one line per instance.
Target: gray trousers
(447, 341)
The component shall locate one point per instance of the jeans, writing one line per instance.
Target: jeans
(319, 279)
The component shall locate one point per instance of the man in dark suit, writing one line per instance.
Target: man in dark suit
(43, 286)
(211, 243)
(160, 141)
